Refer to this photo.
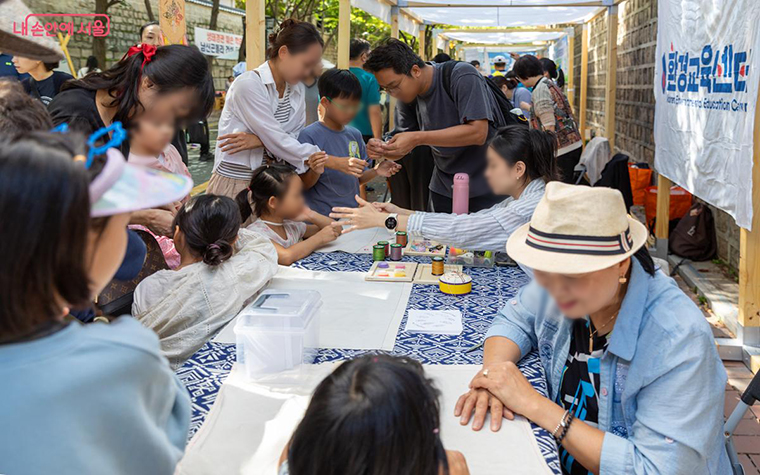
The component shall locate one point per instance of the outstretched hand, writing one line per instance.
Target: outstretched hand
(363, 217)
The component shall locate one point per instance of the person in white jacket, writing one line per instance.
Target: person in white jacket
(265, 110)
(222, 268)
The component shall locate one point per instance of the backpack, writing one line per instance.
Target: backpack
(505, 105)
(694, 235)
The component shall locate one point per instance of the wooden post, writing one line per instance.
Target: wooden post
(394, 34)
(611, 76)
(584, 82)
(422, 42)
(749, 246)
(570, 75)
(661, 229)
(344, 33)
(255, 32)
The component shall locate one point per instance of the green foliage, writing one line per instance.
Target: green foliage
(324, 13)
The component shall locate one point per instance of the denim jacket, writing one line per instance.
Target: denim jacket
(662, 382)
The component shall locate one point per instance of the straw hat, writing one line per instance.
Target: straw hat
(577, 229)
(41, 48)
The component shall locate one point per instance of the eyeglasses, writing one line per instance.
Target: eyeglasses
(343, 107)
(393, 89)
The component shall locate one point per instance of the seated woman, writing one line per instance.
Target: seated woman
(221, 268)
(635, 379)
(376, 414)
(520, 163)
(99, 398)
(275, 195)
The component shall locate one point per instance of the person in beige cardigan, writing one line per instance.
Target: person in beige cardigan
(222, 267)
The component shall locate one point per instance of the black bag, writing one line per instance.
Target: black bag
(694, 235)
(505, 105)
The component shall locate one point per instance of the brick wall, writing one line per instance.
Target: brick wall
(126, 19)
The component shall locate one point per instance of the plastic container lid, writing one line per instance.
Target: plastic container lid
(281, 310)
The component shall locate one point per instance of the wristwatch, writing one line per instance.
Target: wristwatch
(391, 222)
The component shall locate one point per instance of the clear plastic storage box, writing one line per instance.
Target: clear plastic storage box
(278, 331)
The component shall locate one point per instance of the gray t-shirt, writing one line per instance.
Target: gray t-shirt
(333, 188)
(311, 96)
(472, 100)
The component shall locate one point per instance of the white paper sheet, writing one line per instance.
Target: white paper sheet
(355, 314)
(444, 322)
(358, 242)
(250, 423)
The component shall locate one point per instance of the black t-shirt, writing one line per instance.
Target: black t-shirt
(76, 107)
(46, 89)
(579, 386)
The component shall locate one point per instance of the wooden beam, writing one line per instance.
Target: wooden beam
(255, 32)
(344, 33)
(584, 82)
(611, 76)
(527, 46)
(749, 246)
(394, 34)
(514, 29)
(570, 76)
(662, 226)
(413, 4)
(421, 42)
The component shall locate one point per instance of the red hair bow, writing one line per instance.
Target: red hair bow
(147, 50)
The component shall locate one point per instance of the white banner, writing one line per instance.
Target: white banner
(706, 82)
(218, 43)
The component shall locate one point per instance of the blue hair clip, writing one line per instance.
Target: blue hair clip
(119, 134)
(61, 128)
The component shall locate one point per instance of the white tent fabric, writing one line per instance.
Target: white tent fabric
(504, 38)
(383, 12)
(503, 16)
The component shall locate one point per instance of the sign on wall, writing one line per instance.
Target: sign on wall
(218, 43)
(706, 84)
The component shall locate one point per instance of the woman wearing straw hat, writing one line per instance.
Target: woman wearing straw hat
(635, 381)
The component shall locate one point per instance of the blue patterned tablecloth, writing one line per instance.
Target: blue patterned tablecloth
(204, 373)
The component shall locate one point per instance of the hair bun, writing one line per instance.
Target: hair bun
(288, 23)
(272, 37)
(216, 253)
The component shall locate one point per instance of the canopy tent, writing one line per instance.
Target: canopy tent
(505, 38)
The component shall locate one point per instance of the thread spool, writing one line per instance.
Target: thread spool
(396, 252)
(401, 238)
(438, 267)
(387, 246)
(378, 252)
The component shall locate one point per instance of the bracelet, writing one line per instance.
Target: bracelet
(567, 427)
(559, 424)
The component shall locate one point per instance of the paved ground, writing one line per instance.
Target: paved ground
(747, 437)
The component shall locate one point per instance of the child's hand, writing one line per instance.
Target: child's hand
(329, 234)
(239, 141)
(160, 222)
(375, 149)
(317, 161)
(387, 168)
(351, 166)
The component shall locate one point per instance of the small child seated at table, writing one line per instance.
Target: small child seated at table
(341, 95)
(221, 268)
(150, 146)
(275, 195)
(375, 414)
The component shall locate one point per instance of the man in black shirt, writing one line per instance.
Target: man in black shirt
(43, 83)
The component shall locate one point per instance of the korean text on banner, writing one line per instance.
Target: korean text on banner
(218, 43)
(707, 68)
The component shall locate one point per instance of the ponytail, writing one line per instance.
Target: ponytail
(560, 78)
(296, 35)
(535, 148)
(267, 181)
(210, 225)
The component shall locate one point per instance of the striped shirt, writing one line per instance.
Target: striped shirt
(282, 114)
(486, 230)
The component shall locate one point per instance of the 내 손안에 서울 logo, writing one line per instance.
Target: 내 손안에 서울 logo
(712, 74)
(50, 24)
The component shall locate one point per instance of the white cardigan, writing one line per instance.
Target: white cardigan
(188, 306)
(249, 107)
